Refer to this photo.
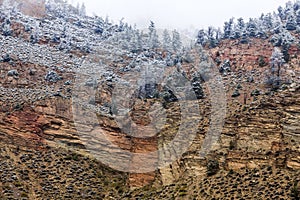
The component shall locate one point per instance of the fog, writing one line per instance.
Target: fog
(179, 14)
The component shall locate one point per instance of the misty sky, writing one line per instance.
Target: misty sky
(179, 14)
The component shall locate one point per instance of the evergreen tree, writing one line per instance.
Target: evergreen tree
(241, 24)
(124, 39)
(176, 41)
(35, 34)
(167, 41)
(153, 37)
(276, 63)
(244, 38)
(210, 32)
(291, 22)
(281, 13)
(252, 28)
(6, 28)
(121, 25)
(151, 27)
(288, 8)
(277, 24)
(239, 28)
(133, 45)
(218, 34)
(201, 37)
(140, 43)
(296, 5)
(267, 21)
(261, 30)
(211, 37)
(228, 29)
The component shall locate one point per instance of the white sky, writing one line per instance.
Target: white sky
(179, 14)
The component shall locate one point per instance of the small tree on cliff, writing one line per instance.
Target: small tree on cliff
(201, 37)
(211, 32)
(252, 27)
(6, 29)
(153, 37)
(291, 22)
(276, 63)
(239, 27)
(228, 28)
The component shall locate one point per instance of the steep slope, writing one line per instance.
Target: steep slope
(59, 126)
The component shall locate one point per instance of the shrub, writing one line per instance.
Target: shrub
(73, 156)
(261, 61)
(295, 193)
(232, 144)
(24, 195)
(212, 167)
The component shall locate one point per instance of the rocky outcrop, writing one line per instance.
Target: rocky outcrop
(53, 98)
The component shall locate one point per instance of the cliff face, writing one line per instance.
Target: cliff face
(260, 130)
(258, 150)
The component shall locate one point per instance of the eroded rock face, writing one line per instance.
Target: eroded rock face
(259, 132)
(261, 129)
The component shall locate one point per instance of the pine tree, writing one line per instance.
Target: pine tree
(35, 34)
(228, 28)
(239, 28)
(6, 28)
(139, 40)
(201, 37)
(244, 38)
(291, 22)
(153, 37)
(288, 8)
(218, 34)
(281, 13)
(276, 63)
(240, 23)
(151, 27)
(296, 5)
(267, 21)
(277, 24)
(176, 41)
(252, 28)
(167, 41)
(261, 30)
(211, 37)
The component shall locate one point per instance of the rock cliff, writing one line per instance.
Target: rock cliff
(60, 132)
